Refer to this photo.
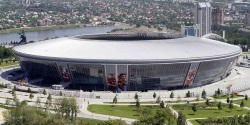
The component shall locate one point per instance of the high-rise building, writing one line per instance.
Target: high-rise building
(202, 17)
(217, 16)
(25, 2)
(247, 19)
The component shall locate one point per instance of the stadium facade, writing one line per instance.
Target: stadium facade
(127, 62)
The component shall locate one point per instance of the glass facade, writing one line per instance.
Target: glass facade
(46, 70)
(123, 77)
(87, 76)
(157, 76)
(210, 71)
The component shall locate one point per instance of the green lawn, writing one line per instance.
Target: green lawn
(9, 64)
(119, 111)
(130, 103)
(225, 96)
(204, 111)
(90, 121)
(194, 122)
(247, 103)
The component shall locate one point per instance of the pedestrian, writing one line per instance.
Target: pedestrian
(88, 102)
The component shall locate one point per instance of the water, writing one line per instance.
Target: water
(41, 35)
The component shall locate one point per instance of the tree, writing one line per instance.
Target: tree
(144, 114)
(231, 106)
(172, 95)
(38, 102)
(162, 105)
(49, 97)
(218, 91)
(138, 25)
(242, 105)
(203, 94)
(136, 96)
(232, 95)
(13, 92)
(14, 88)
(228, 100)
(7, 102)
(46, 105)
(179, 98)
(29, 90)
(31, 96)
(154, 95)
(219, 106)
(215, 96)
(181, 120)
(194, 108)
(137, 103)
(246, 97)
(111, 122)
(15, 101)
(207, 102)
(158, 99)
(115, 100)
(188, 94)
(60, 93)
(44, 92)
(66, 107)
(160, 117)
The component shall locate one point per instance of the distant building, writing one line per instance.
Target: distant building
(247, 19)
(25, 2)
(44, 23)
(190, 30)
(217, 16)
(202, 17)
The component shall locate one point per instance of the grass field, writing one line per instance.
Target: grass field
(119, 111)
(9, 64)
(225, 96)
(133, 103)
(247, 103)
(90, 121)
(194, 122)
(204, 111)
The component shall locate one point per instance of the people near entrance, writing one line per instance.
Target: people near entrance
(111, 82)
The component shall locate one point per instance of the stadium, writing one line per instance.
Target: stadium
(127, 62)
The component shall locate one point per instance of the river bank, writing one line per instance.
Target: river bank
(43, 34)
(32, 29)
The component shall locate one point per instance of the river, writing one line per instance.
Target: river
(41, 35)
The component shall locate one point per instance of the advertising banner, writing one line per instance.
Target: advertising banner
(191, 74)
(65, 73)
(111, 81)
(122, 80)
(122, 77)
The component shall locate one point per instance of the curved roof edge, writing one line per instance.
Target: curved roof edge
(97, 61)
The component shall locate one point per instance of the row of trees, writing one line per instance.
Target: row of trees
(164, 116)
(5, 53)
(236, 120)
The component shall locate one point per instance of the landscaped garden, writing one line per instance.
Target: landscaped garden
(234, 120)
(211, 110)
(246, 102)
(120, 110)
(150, 102)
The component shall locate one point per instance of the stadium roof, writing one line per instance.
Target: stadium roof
(75, 49)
